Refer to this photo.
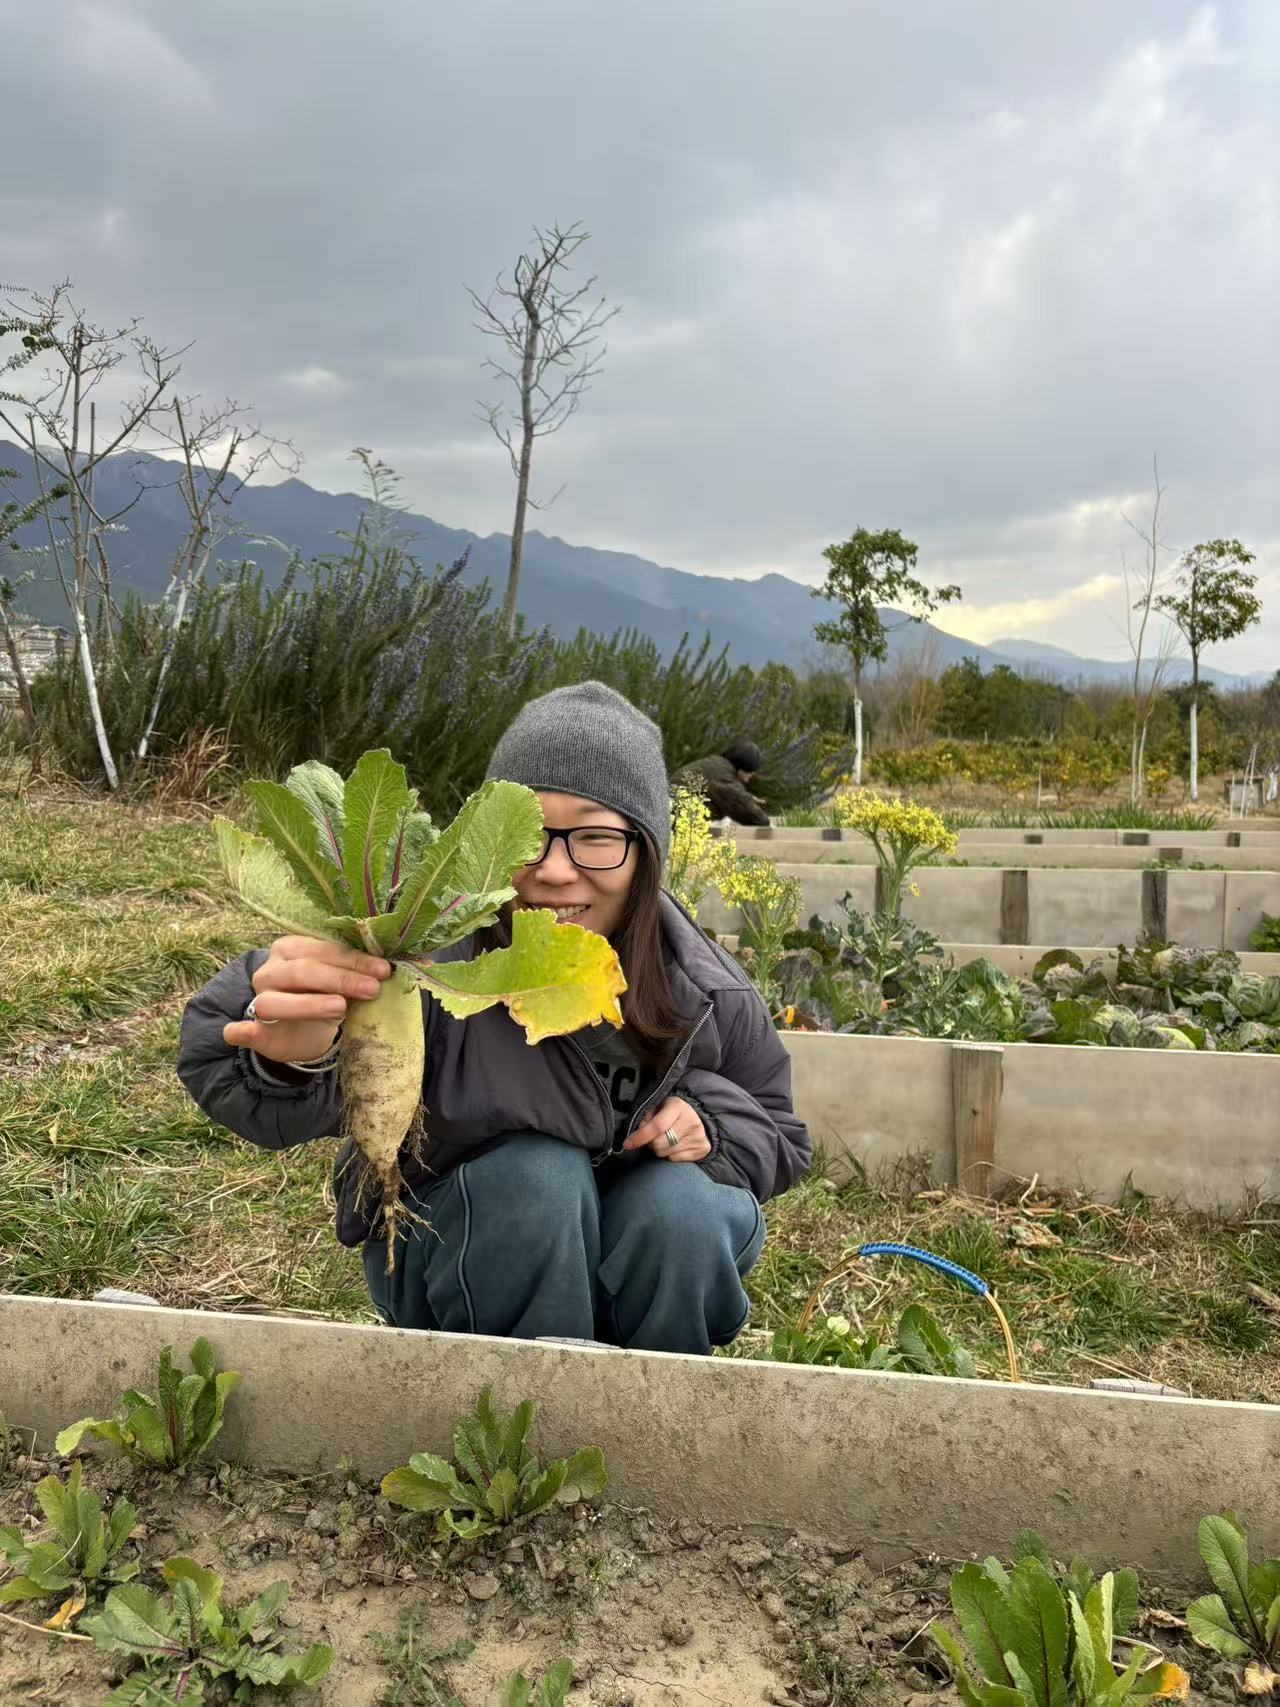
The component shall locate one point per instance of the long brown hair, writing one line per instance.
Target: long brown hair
(653, 1021)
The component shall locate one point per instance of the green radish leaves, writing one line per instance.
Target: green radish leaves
(1242, 1620)
(374, 801)
(1040, 1636)
(356, 863)
(262, 879)
(498, 1480)
(172, 1429)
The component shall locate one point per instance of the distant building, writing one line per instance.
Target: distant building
(39, 646)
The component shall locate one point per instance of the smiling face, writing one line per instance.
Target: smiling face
(594, 899)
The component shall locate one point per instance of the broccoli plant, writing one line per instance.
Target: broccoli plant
(1034, 1643)
(497, 1480)
(85, 1550)
(188, 1638)
(355, 862)
(173, 1429)
(1242, 1620)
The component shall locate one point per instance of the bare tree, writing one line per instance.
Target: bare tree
(1141, 593)
(550, 334)
(52, 409)
(219, 454)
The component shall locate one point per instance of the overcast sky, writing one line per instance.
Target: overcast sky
(957, 269)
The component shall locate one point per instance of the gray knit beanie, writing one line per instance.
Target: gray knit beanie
(589, 740)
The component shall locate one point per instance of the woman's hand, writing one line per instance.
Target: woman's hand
(675, 1115)
(304, 985)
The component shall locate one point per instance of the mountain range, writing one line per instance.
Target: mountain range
(564, 587)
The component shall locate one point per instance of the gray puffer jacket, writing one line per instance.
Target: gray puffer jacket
(483, 1081)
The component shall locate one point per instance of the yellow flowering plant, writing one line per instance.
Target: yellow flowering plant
(698, 861)
(903, 834)
(770, 905)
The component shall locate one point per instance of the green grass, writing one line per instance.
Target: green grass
(1090, 1289)
(110, 1175)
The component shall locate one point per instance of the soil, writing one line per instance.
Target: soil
(652, 1613)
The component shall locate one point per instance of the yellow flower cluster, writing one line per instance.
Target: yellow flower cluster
(903, 823)
(757, 882)
(698, 861)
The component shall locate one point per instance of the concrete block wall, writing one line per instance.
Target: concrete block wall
(894, 1465)
(1200, 1128)
(1062, 907)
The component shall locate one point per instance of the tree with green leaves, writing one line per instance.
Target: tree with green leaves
(1213, 601)
(868, 571)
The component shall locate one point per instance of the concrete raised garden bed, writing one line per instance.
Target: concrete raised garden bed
(1070, 857)
(1200, 1128)
(1213, 909)
(890, 1465)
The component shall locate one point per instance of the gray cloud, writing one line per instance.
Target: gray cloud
(955, 269)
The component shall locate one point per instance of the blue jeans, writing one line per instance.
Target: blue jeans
(530, 1240)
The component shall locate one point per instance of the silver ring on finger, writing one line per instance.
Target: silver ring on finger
(672, 1137)
(251, 1012)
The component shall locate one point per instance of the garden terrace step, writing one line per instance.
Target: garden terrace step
(1171, 850)
(1215, 909)
(1200, 1128)
(895, 1465)
(1264, 836)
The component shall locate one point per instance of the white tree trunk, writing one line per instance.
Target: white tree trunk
(91, 688)
(857, 741)
(1195, 754)
(171, 641)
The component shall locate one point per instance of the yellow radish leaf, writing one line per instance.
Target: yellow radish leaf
(554, 978)
(1259, 1680)
(259, 874)
(71, 1608)
(289, 826)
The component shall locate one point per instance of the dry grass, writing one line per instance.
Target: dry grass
(110, 1175)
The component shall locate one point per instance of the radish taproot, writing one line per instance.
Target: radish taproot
(355, 862)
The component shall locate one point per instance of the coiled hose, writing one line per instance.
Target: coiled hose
(941, 1265)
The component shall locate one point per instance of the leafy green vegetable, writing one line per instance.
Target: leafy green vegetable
(1035, 1643)
(1242, 1620)
(173, 1429)
(920, 1347)
(1266, 936)
(85, 1548)
(187, 1638)
(552, 1689)
(497, 1479)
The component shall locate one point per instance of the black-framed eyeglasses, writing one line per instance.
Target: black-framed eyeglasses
(591, 847)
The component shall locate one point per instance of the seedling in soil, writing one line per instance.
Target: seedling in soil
(498, 1480)
(188, 1638)
(551, 1690)
(920, 1347)
(173, 1429)
(415, 1668)
(85, 1551)
(1035, 1644)
(355, 862)
(1242, 1620)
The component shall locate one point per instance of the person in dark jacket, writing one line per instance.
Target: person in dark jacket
(726, 778)
(603, 1185)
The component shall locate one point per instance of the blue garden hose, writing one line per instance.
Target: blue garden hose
(974, 1282)
(941, 1265)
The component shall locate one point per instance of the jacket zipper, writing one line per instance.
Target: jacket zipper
(653, 1101)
